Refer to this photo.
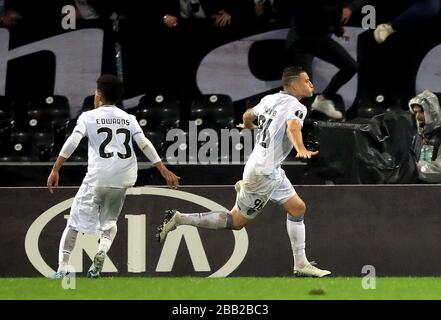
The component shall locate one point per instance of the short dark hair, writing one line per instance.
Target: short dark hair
(110, 87)
(290, 73)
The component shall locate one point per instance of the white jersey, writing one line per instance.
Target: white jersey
(272, 142)
(111, 159)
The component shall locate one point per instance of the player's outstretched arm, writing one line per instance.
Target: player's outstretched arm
(294, 132)
(54, 176)
(171, 179)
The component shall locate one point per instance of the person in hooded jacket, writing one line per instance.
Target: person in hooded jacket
(426, 109)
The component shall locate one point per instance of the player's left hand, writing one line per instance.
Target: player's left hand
(243, 126)
(306, 154)
(52, 181)
(171, 179)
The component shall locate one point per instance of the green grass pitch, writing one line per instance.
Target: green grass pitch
(247, 288)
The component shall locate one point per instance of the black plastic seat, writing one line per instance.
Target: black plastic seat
(49, 111)
(210, 147)
(177, 148)
(157, 138)
(22, 145)
(89, 103)
(44, 142)
(5, 104)
(28, 146)
(17, 108)
(214, 111)
(158, 112)
(241, 144)
(6, 125)
(233, 145)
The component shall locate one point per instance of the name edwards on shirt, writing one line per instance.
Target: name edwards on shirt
(118, 121)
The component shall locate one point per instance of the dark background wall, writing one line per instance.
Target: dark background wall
(156, 58)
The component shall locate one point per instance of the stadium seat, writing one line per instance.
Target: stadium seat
(158, 112)
(49, 111)
(88, 103)
(6, 125)
(28, 146)
(44, 142)
(50, 114)
(210, 147)
(157, 139)
(6, 121)
(177, 150)
(19, 148)
(185, 149)
(17, 107)
(235, 145)
(214, 111)
(5, 104)
(207, 150)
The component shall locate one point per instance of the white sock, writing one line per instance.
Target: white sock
(209, 220)
(106, 239)
(296, 232)
(67, 244)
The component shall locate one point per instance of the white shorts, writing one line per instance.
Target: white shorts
(96, 208)
(250, 199)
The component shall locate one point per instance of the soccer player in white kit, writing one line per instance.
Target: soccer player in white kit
(280, 119)
(112, 168)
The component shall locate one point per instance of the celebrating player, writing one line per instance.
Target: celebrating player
(280, 119)
(112, 168)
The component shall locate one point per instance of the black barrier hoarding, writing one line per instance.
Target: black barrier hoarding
(395, 229)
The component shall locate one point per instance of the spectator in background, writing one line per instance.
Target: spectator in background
(259, 6)
(30, 21)
(350, 7)
(313, 24)
(426, 109)
(85, 10)
(272, 13)
(9, 17)
(97, 9)
(195, 9)
(265, 9)
(420, 11)
(192, 28)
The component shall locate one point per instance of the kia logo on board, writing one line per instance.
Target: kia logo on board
(136, 235)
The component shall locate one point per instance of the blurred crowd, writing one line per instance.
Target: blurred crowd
(186, 29)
